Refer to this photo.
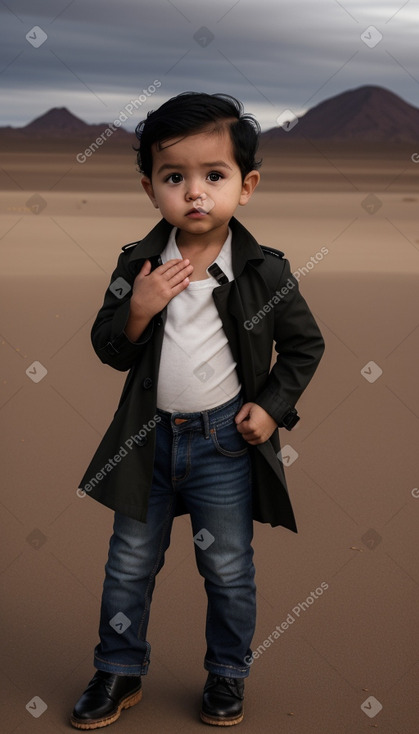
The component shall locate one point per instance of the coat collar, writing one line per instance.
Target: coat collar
(244, 246)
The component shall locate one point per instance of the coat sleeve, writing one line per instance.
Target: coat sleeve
(109, 340)
(299, 345)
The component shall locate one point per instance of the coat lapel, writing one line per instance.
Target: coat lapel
(153, 243)
(229, 302)
(229, 305)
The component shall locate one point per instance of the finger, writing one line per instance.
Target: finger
(180, 287)
(146, 268)
(242, 414)
(247, 435)
(179, 273)
(171, 267)
(179, 276)
(250, 441)
(247, 429)
(253, 438)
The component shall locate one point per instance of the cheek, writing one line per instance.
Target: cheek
(229, 195)
(170, 197)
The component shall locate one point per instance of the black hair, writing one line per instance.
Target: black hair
(190, 112)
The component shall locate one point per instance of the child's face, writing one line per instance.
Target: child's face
(196, 182)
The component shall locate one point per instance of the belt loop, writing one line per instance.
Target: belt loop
(205, 419)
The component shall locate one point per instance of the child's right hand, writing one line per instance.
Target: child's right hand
(152, 291)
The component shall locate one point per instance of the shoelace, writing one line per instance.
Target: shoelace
(228, 683)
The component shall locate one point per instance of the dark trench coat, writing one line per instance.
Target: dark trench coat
(120, 472)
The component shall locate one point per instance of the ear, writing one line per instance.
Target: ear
(148, 188)
(249, 184)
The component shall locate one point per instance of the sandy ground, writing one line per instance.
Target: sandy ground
(354, 485)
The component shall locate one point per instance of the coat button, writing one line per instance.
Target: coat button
(147, 383)
(141, 441)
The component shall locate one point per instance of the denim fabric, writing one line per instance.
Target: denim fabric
(205, 460)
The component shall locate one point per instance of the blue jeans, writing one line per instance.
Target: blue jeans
(204, 461)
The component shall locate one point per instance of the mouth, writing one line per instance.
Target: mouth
(197, 212)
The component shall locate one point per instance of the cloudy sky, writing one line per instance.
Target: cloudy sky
(95, 56)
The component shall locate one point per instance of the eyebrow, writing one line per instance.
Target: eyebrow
(177, 166)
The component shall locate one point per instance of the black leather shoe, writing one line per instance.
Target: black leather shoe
(222, 702)
(104, 698)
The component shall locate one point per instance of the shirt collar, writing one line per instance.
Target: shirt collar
(223, 258)
(244, 247)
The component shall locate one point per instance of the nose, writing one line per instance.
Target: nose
(194, 191)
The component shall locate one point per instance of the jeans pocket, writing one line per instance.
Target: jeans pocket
(228, 441)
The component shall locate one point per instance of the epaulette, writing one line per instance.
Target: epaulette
(271, 251)
(131, 244)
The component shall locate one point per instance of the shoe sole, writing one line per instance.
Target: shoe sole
(221, 722)
(126, 703)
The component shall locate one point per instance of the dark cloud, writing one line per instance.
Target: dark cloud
(100, 54)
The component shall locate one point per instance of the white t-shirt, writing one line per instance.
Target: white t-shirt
(197, 369)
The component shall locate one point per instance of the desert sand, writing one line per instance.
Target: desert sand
(343, 653)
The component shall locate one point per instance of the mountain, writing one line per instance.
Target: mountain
(368, 113)
(59, 121)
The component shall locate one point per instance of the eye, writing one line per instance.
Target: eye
(217, 176)
(174, 178)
